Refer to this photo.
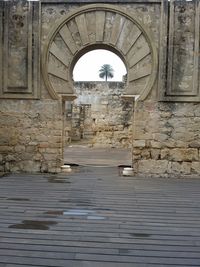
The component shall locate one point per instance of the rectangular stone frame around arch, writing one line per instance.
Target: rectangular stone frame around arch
(166, 90)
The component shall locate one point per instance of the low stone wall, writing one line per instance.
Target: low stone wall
(166, 139)
(31, 136)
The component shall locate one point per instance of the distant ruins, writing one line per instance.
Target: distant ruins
(100, 116)
(158, 41)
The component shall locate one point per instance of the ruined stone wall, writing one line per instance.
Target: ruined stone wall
(30, 134)
(167, 138)
(109, 118)
(163, 68)
(31, 124)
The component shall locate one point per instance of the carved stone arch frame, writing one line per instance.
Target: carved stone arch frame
(93, 47)
(115, 30)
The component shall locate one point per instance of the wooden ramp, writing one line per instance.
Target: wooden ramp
(96, 218)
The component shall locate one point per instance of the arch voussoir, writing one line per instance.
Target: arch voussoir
(112, 28)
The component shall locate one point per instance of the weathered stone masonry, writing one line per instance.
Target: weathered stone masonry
(40, 41)
(167, 138)
(30, 134)
(101, 116)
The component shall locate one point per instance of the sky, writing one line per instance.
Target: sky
(88, 66)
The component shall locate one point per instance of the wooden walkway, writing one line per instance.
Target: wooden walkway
(96, 218)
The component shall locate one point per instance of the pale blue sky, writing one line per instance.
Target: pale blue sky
(88, 66)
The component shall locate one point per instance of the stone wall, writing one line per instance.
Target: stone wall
(107, 118)
(166, 139)
(166, 117)
(167, 134)
(31, 123)
(30, 134)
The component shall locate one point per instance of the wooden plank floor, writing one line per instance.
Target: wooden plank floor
(96, 218)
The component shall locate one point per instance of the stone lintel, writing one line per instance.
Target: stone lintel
(130, 98)
(68, 97)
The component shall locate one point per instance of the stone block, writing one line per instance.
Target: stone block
(137, 151)
(26, 156)
(143, 134)
(42, 138)
(6, 149)
(55, 151)
(166, 115)
(139, 143)
(55, 145)
(55, 139)
(179, 144)
(195, 167)
(4, 138)
(180, 154)
(180, 168)
(2, 168)
(31, 149)
(33, 143)
(57, 125)
(24, 139)
(194, 144)
(146, 154)
(31, 166)
(160, 137)
(7, 167)
(44, 167)
(41, 150)
(184, 110)
(156, 144)
(155, 154)
(13, 140)
(15, 168)
(10, 158)
(20, 148)
(43, 145)
(50, 157)
(38, 157)
(165, 153)
(153, 166)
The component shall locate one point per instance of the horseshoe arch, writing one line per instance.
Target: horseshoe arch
(99, 26)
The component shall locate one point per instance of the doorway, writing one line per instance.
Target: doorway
(98, 121)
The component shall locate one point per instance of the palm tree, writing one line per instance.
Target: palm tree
(106, 72)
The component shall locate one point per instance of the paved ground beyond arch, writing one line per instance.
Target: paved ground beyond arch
(96, 218)
(84, 154)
